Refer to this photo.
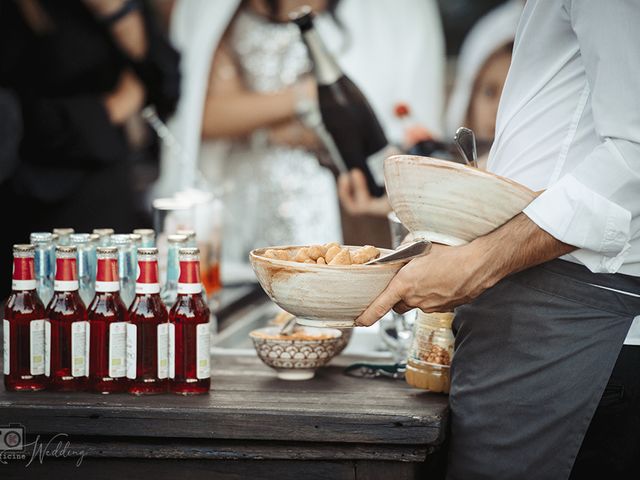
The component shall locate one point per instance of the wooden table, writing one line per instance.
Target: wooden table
(251, 425)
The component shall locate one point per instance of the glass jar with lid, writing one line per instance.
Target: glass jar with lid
(429, 359)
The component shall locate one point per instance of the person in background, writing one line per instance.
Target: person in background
(481, 71)
(80, 71)
(248, 87)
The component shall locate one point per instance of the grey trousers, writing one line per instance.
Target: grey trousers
(533, 355)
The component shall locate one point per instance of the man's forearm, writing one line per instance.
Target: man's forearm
(517, 245)
(451, 276)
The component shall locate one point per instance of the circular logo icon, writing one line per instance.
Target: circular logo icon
(12, 439)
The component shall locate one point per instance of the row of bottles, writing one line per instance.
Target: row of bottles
(86, 246)
(106, 347)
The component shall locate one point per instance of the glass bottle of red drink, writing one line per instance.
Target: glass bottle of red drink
(189, 360)
(148, 331)
(24, 327)
(107, 317)
(67, 315)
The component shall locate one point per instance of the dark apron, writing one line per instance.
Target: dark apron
(533, 356)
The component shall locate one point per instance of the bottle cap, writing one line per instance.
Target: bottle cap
(136, 238)
(24, 250)
(189, 254)
(103, 231)
(121, 239)
(177, 238)
(76, 238)
(63, 232)
(41, 237)
(66, 251)
(107, 252)
(145, 232)
(147, 253)
(190, 234)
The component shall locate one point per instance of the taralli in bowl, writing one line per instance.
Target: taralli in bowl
(297, 356)
(450, 203)
(327, 254)
(321, 295)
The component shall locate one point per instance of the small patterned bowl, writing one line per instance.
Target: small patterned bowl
(296, 359)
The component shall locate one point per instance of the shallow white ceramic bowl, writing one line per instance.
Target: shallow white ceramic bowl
(297, 359)
(450, 203)
(321, 295)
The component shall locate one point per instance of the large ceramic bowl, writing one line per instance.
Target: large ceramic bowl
(450, 203)
(321, 295)
(296, 359)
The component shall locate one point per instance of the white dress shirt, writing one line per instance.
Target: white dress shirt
(569, 124)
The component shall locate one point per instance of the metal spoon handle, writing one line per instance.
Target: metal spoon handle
(404, 252)
(289, 326)
(465, 140)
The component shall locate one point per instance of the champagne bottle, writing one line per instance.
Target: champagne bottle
(346, 113)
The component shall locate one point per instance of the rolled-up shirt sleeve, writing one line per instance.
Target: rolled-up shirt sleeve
(593, 206)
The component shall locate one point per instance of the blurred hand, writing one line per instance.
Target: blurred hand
(308, 87)
(294, 134)
(104, 7)
(126, 100)
(355, 197)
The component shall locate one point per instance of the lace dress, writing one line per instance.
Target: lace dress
(280, 195)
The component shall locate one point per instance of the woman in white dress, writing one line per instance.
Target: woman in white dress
(245, 105)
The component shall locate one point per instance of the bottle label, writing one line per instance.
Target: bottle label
(144, 288)
(65, 285)
(47, 348)
(375, 163)
(163, 351)
(132, 350)
(87, 347)
(36, 344)
(107, 286)
(172, 350)
(79, 350)
(6, 335)
(23, 285)
(203, 336)
(117, 349)
(189, 288)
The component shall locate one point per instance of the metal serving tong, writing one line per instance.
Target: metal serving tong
(466, 142)
(372, 370)
(404, 252)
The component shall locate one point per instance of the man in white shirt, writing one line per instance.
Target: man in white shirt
(538, 337)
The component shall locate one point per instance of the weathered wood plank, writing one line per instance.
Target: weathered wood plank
(145, 448)
(229, 424)
(110, 469)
